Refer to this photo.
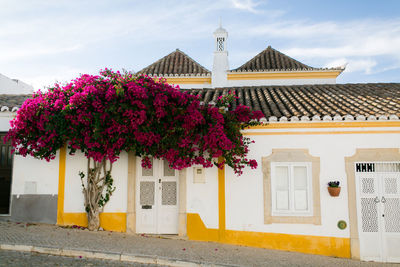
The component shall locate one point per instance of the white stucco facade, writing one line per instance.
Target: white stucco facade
(245, 197)
(13, 86)
(193, 86)
(267, 82)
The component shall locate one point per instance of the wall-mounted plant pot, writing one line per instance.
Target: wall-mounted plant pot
(334, 191)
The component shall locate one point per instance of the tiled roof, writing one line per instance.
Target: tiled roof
(316, 102)
(368, 101)
(271, 59)
(12, 102)
(176, 63)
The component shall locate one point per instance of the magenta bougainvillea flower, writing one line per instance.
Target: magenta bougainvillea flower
(103, 115)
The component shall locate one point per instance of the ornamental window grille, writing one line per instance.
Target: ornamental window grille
(220, 43)
(378, 167)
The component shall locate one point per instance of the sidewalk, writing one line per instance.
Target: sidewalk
(57, 240)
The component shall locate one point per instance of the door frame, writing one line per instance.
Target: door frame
(362, 155)
(378, 178)
(158, 211)
(11, 159)
(131, 196)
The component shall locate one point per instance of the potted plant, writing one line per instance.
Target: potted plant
(334, 188)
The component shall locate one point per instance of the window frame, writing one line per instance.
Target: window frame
(291, 190)
(287, 155)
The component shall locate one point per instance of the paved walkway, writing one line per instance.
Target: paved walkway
(57, 240)
(10, 258)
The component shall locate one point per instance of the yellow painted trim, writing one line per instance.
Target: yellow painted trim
(108, 220)
(313, 133)
(189, 80)
(111, 221)
(321, 245)
(196, 230)
(61, 185)
(284, 75)
(221, 200)
(341, 124)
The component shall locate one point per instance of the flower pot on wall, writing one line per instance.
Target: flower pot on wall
(334, 191)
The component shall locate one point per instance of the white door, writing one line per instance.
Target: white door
(378, 208)
(157, 199)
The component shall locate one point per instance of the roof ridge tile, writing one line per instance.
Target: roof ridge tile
(176, 62)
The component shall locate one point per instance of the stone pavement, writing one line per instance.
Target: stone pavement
(10, 258)
(51, 239)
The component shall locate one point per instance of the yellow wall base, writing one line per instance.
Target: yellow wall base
(108, 220)
(196, 230)
(320, 245)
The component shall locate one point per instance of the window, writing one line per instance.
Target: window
(291, 186)
(220, 43)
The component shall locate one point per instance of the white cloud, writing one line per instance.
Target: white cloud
(59, 74)
(341, 62)
(364, 65)
(354, 65)
(363, 42)
(247, 5)
(336, 39)
(34, 34)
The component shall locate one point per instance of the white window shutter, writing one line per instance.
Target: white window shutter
(282, 187)
(300, 188)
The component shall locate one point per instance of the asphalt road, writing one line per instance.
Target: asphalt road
(10, 258)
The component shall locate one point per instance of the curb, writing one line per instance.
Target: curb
(144, 259)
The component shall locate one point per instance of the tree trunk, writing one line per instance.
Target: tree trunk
(98, 181)
(93, 220)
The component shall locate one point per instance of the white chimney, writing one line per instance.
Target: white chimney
(221, 65)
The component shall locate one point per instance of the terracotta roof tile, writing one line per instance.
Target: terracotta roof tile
(12, 101)
(176, 62)
(271, 59)
(309, 100)
(377, 99)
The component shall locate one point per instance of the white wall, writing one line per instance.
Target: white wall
(244, 194)
(193, 86)
(73, 198)
(203, 198)
(13, 86)
(266, 82)
(28, 176)
(5, 118)
(34, 176)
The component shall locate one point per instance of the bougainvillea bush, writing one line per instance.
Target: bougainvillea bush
(103, 115)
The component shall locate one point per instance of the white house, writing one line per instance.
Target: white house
(14, 86)
(315, 131)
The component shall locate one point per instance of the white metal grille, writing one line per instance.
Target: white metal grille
(168, 194)
(378, 167)
(390, 185)
(392, 215)
(367, 185)
(147, 193)
(387, 167)
(369, 215)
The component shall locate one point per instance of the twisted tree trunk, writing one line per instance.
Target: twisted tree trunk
(98, 180)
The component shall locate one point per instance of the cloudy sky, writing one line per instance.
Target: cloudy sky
(46, 41)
